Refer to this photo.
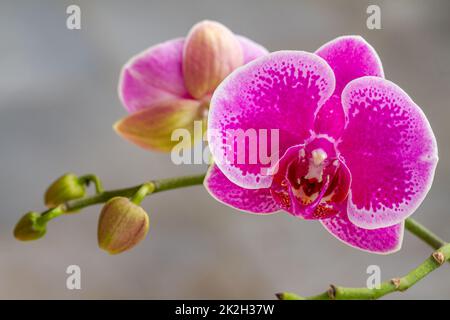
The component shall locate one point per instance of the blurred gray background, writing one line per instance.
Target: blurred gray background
(58, 101)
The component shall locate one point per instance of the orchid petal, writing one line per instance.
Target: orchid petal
(152, 128)
(391, 152)
(277, 93)
(350, 57)
(225, 191)
(153, 76)
(330, 119)
(382, 241)
(211, 51)
(251, 49)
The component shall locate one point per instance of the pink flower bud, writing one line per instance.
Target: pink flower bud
(211, 52)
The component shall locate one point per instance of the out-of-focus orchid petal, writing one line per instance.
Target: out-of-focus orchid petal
(391, 152)
(350, 57)
(225, 191)
(211, 52)
(152, 128)
(278, 93)
(382, 241)
(251, 49)
(330, 119)
(153, 76)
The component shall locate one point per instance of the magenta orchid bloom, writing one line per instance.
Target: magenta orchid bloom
(169, 86)
(355, 152)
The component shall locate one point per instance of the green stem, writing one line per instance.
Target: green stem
(50, 214)
(397, 284)
(136, 193)
(423, 233)
(139, 192)
(158, 185)
(143, 191)
(86, 179)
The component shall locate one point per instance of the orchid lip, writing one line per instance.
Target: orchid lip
(308, 180)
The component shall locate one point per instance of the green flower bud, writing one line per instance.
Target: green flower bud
(66, 188)
(122, 225)
(28, 228)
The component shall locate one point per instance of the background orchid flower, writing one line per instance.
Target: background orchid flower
(355, 151)
(169, 85)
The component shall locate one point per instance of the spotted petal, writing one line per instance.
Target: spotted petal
(391, 152)
(350, 57)
(225, 191)
(273, 96)
(382, 241)
(330, 119)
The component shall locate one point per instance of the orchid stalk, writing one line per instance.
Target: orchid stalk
(102, 197)
(432, 263)
(396, 284)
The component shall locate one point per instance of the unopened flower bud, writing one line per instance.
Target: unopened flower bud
(122, 225)
(28, 228)
(211, 52)
(66, 188)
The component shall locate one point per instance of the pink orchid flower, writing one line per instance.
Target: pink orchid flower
(355, 152)
(169, 85)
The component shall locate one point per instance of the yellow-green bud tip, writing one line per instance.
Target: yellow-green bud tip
(28, 228)
(65, 188)
(122, 225)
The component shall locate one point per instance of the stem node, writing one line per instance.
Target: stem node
(438, 257)
(396, 283)
(332, 292)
